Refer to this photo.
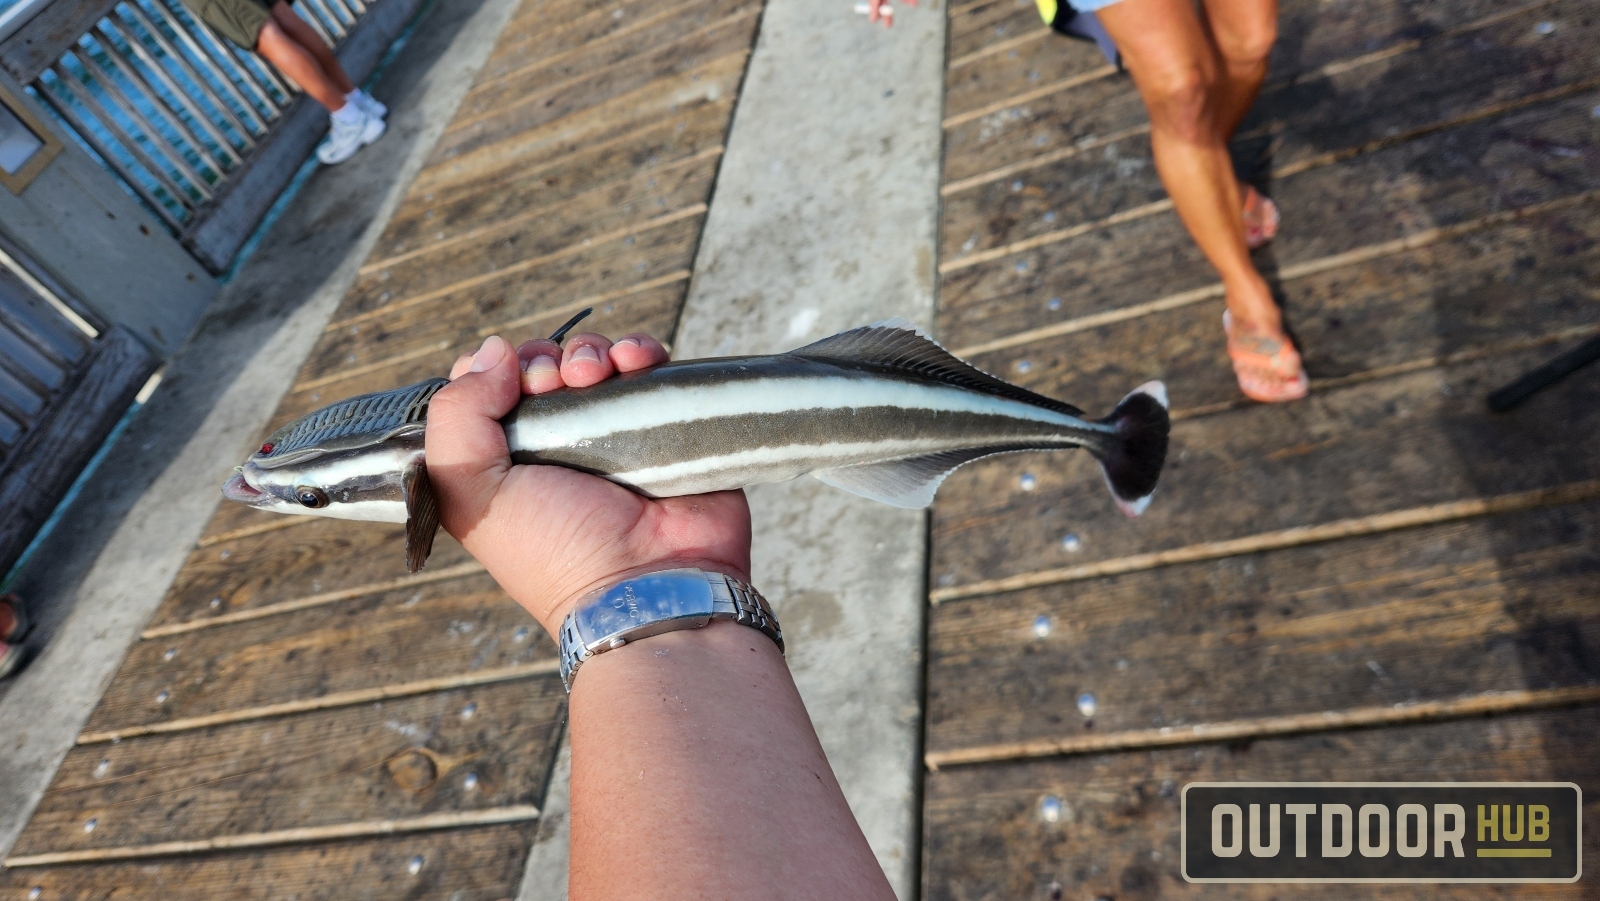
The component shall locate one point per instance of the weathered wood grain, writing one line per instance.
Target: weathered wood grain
(1415, 439)
(456, 317)
(1117, 836)
(608, 215)
(538, 32)
(976, 26)
(320, 555)
(653, 311)
(687, 68)
(400, 636)
(1481, 293)
(681, 95)
(660, 151)
(392, 760)
(1441, 77)
(1446, 179)
(633, 52)
(1492, 604)
(480, 864)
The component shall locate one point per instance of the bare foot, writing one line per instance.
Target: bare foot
(1265, 362)
(1260, 218)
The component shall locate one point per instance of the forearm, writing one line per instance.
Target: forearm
(696, 773)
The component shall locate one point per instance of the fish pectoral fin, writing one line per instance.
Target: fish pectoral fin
(422, 514)
(906, 482)
(899, 345)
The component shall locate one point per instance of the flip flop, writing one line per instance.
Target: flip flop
(1267, 366)
(19, 613)
(1265, 227)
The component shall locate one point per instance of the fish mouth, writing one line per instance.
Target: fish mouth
(239, 489)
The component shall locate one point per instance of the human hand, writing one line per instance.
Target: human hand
(881, 11)
(551, 535)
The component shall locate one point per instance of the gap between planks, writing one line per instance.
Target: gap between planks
(554, 90)
(282, 522)
(1487, 704)
(535, 213)
(427, 823)
(1415, 241)
(1298, 536)
(546, 61)
(326, 702)
(1326, 158)
(1325, 71)
(523, 265)
(460, 570)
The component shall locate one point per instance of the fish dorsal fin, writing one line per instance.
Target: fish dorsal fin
(899, 345)
(907, 482)
(422, 513)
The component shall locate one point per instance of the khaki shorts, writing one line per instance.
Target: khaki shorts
(240, 21)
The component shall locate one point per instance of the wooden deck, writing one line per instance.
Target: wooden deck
(1383, 581)
(300, 718)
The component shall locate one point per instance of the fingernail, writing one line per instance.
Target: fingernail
(585, 352)
(630, 340)
(490, 354)
(543, 364)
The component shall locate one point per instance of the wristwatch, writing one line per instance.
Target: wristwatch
(654, 603)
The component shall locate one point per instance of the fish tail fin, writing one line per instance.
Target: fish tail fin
(1132, 460)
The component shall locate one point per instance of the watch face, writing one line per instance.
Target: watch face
(644, 600)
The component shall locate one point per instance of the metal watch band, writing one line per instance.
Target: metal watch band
(654, 603)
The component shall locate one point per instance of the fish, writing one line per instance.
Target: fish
(880, 411)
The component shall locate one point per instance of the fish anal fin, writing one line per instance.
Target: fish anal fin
(422, 514)
(898, 345)
(907, 482)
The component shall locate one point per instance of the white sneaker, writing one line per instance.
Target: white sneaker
(345, 139)
(370, 105)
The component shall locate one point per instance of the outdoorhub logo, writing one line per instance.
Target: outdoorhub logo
(1382, 832)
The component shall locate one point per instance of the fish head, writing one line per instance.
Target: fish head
(360, 458)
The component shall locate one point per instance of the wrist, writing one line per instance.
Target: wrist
(554, 611)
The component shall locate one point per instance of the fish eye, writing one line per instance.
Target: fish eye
(311, 497)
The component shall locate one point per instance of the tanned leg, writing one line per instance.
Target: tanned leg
(300, 64)
(1177, 69)
(1243, 31)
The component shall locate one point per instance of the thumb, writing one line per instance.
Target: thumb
(466, 446)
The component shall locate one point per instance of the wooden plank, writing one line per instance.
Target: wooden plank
(393, 760)
(1445, 76)
(1463, 297)
(453, 169)
(481, 864)
(539, 31)
(42, 39)
(321, 555)
(1445, 180)
(1500, 603)
(400, 636)
(402, 327)
(1118, 831)
(1409, 441)
(41, 469)
(523, 108)
(660, 151)
(975, 27)
(592, 70)
(607, 216)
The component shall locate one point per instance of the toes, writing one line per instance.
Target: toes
(635, 352)
(586, 360)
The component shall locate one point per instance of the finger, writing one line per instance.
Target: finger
(587, 360)
(541, 366)
(635, 352)
(465, 443)
(872, 9)
(461, 367)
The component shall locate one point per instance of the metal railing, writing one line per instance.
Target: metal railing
(170, 106)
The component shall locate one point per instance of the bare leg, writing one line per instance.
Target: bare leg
(290, 44)
(1243, 31)
(1176, 69)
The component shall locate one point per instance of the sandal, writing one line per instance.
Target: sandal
(21, 624)
(1267, 366)
(1261, 218)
